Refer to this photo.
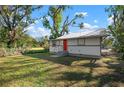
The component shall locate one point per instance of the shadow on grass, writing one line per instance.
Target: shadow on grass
(114, 78)
(14, 77)
(27, 70)
(21, 66)
(90, 65)
(59, 60)
(68, 74)
(103, 80)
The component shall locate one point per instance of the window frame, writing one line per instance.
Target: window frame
(80, 43)
(53, 43)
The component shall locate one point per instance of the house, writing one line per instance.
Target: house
(86, 43)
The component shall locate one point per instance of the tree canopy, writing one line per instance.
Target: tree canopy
(13, 20)
(58, 27)
(117, 27)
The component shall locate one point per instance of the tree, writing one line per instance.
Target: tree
(3, 37)
(107, 42)
(44, 42)
(57, 26)
(27, 41)
(14, 19)
(117, 27)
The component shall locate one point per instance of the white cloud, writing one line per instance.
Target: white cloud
(82, 13)
(48, 17)
(29, 28)
(32, 24)
(37, 21)
(95, 21)
(43, 31)
(86, 25)
(41, 19)
(37, 32)
(110, 20)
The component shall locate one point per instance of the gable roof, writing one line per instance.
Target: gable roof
(85, 33)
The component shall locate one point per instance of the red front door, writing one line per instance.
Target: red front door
(65, 44)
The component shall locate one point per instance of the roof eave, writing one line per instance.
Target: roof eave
(82, 37)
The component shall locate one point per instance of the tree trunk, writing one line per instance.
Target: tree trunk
(10, 44)
(12, 39)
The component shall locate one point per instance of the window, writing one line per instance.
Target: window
(58, 42)
(72, 42)
(92, 41)
(50, 43)
(80, 41)
(61, 42)
(53, 43)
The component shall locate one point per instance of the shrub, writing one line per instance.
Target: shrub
(2, 52)
(36, 51)
(11, 51)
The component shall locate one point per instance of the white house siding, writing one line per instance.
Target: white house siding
(61, 42)
(56, 48)
(85, 50)
(87, 46)
(72, 41)
(92, 41)
(50, 42)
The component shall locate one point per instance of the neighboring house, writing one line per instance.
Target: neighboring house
(86, 43)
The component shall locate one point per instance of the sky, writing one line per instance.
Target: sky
(94, 17)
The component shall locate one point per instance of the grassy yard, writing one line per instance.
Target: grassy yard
(40, 69)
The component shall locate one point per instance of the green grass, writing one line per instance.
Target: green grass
(35, 50)
(39, 69)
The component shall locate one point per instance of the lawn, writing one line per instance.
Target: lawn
(40, 69)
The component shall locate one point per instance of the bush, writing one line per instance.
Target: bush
(36, 51)
(19, 51)
(11, 51)
(44, 42)
(2, 52)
